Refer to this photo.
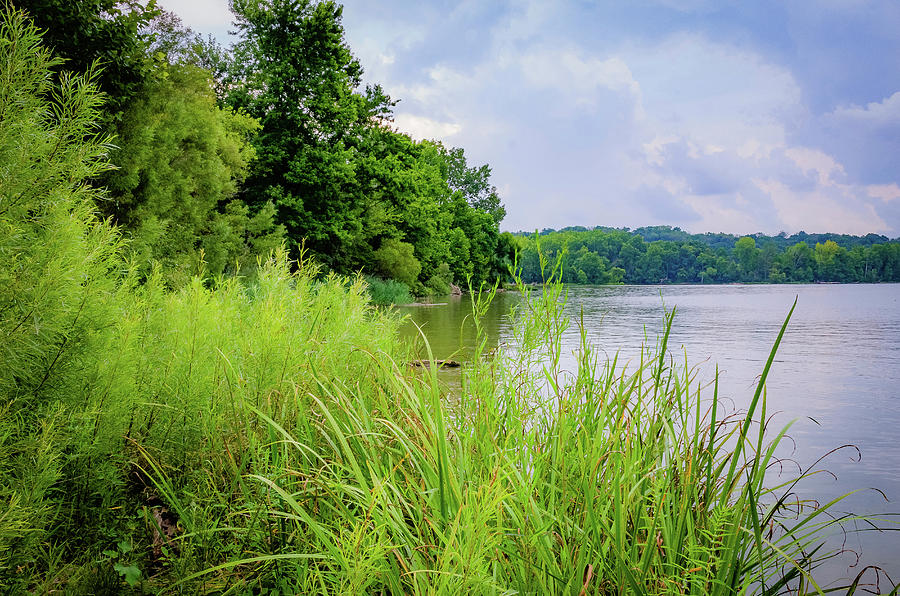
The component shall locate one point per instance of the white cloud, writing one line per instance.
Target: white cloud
(713, 94)
(578, 77)
(841, 210)
(885, 192)
(653, 150)
(420, 127)
(882, 112)
(200, 15)
(864, 138)
(719, 213)
(814, 160)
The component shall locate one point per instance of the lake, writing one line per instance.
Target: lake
(837, 372)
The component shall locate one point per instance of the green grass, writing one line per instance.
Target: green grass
(388, 291)
(535, 480)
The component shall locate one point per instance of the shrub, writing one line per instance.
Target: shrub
(388, 291)
(396, 260)
(58, 291)
(439, 283)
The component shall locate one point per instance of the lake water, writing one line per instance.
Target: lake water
(837, 372)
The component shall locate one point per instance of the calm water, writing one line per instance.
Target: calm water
(837, 371)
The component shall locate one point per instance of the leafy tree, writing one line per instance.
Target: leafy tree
(109, 33)
(798, 262)
(298, 77)
(504, 256)
(474, 183)
(747, 256)
(831, 261)
(396, 260)
(181, 158)
(402, 194)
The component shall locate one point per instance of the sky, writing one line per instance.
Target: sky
(714, 116)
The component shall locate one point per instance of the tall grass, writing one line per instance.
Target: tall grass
(604, 480)
(270, 436)
(387, 291)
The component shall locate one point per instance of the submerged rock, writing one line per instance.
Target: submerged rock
(438, 363)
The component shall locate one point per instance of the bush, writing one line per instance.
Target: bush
(388, 291)
(58, 294)
(439, 283)
(396, 260)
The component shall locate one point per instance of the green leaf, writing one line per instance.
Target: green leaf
(131, 574)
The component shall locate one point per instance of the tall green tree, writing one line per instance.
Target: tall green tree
(747, 256)
(403, 195)
(111, 33)
(299, 79)
(473, 182)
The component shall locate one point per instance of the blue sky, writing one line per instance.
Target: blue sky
(751, 116)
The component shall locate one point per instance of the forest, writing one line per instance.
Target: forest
(218, 155)
(662, 254)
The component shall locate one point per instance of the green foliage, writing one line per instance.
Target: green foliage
(747, 256)
(107, 33)
(395, 259)
(439, 283)
(402, 190)
(299, 79)
(473, 183)
(608, 480)
(605, 255)
(387, 291)
(181, 158)
(342, 180)
(101, 380)
(56, 293)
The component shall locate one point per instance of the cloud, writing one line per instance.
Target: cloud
(680, 131)
(839, 209)
(814, 160)
(866, 139)
(885, 192)
(420, 127)
(876, 113)
(721, 213)
(579, 75)
(201, 15)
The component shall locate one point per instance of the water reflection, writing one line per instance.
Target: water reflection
(449, 328)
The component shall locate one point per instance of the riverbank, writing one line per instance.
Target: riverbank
(288, 447)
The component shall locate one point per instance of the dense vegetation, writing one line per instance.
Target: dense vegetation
(669, 255)
(175, 433)
(222, 154)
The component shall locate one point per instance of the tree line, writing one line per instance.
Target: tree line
(221, 154)
(663, 254)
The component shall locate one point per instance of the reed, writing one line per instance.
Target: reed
(388, 291)
(604, 480)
